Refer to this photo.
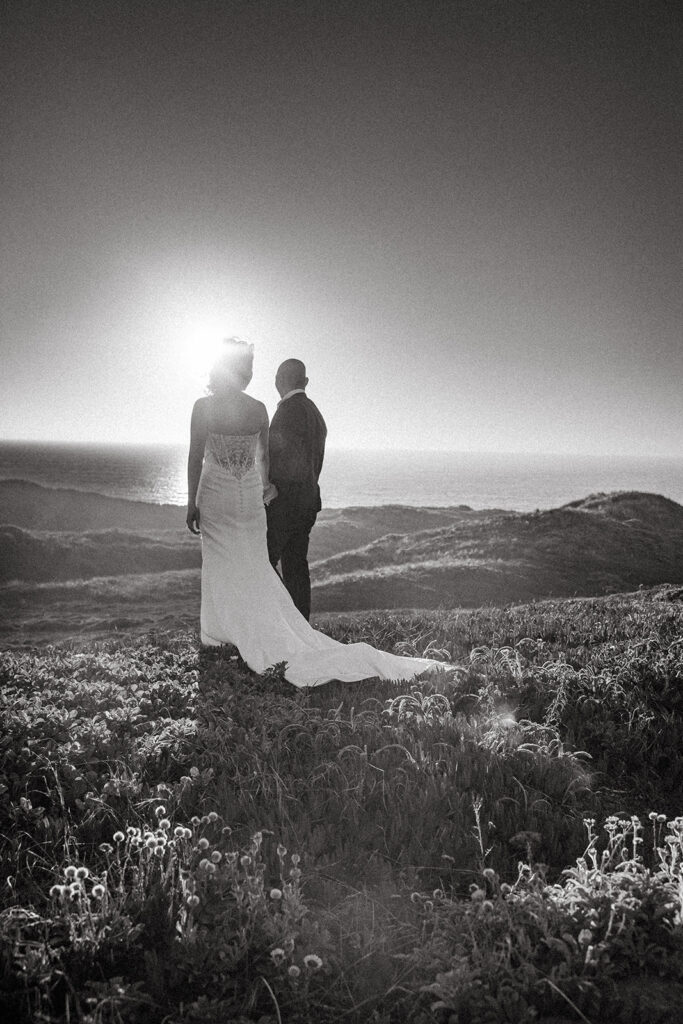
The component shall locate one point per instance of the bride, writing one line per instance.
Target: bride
(243, 600)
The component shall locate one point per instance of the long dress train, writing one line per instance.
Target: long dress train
(244, 601)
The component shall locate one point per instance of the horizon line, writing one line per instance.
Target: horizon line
(366, 450)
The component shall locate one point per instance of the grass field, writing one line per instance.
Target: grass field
(185, 842)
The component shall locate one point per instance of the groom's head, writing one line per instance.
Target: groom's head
(290, 375)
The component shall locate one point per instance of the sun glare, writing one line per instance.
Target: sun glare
(199, 347)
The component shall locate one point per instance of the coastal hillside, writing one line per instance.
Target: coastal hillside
(602, 544)
(72, 561)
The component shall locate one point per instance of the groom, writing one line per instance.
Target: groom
(297, 449)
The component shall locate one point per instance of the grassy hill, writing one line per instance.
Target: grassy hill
(61, 550)
(599, 545)
(183, 841)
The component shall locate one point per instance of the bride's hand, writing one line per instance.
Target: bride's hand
(269, 492)
(192, 519)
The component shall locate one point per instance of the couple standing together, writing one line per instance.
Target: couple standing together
(253, 494)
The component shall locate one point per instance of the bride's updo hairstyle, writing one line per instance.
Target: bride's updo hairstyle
(233, 368)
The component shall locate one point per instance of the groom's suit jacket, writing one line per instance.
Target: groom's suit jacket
(297, 450)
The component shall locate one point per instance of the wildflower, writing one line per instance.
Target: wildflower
(505, 889)
(179, 832)
(216, 856)
(415, 897)
(277, 955)
(70, 872)
(295, 859)
(661, 817)
(195, 820)
(118, 837)
(204, 820)
(188, 833)
(98, 891)
(489, 874)
(652, 815)
(477, 894)
(437, 894)
(57, 891)
(203, 844)
(206, 865)
(295, 873)
(130, 831)
(312, 962)
(193, 901)
(289, 945)
(106, 848)
(161, 840)
(165, 824)
(281, 850)
(150, 842)
(74, 890)
(293, 971)
(212, 816)
(245, 861)
(276, 894)
(486, 906)
(428, 905)
(160, 811)
(226, 830)
(585, 937)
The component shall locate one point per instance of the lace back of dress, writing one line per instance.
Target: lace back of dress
(235, 453)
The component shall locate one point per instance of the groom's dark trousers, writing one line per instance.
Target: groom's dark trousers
(297, 449)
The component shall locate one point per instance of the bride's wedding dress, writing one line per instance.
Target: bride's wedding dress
(244, 601)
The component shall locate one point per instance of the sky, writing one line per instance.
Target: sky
(463, 216)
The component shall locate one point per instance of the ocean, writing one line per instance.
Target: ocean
(156, 473)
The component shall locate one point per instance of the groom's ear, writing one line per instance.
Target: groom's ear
(305, 382)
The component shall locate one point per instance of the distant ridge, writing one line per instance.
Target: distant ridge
(388, 556)
(601, 544)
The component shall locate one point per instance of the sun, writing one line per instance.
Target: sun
(198, 347)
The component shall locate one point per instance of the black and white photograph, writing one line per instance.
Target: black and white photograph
(341, 512)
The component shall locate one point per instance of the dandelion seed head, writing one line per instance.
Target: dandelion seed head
(216, 856)
(70, 871)
(293, 971)
(203, 844)
(179, 832)
(276, 894)
(118, 837)
(193, 901)
(212, 816)
(98, 891)
(277, 955)
(160, 811)
(295, 859)
(312, 962)
(165, 824)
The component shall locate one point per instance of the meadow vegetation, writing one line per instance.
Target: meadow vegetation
(188, 843)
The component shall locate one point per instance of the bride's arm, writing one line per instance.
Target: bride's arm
(269, 489)
(198, 429)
